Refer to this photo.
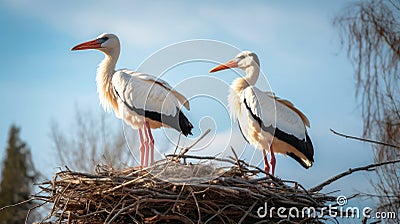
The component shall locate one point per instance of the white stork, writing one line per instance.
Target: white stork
(265, 120)
(142, 101)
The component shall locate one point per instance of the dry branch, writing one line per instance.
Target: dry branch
(185, 150)
(348, 172)
(364, 139)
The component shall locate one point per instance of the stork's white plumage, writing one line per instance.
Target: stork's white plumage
(143, 101)
(265, 120)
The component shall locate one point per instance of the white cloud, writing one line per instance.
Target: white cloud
(280, 35)
(139, 24)
(143, 24)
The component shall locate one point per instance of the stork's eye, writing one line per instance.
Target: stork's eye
(102, 40)
(241, 57)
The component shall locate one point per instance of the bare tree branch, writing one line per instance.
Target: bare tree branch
(364, 139)
(371, 32)
(348, 172)
(88, 141)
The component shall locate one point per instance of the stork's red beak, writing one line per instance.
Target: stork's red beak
(93, 44)
(229, 64)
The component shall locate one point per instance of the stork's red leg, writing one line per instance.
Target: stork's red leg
(273, 160)
(141, 148)
(147, 142)
(151, 143)
(266, 163)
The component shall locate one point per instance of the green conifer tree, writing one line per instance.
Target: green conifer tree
(18, 175)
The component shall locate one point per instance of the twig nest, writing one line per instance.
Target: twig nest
(177, 192)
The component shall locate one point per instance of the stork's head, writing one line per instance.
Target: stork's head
(243, 60)
(105, 42)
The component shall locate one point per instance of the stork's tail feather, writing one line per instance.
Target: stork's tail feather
(309, 149)
(306, 148)
(184, 124)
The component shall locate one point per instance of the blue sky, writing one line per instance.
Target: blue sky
(42, 80)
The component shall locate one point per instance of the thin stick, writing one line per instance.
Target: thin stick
(177, 144)
(247, 212)
(17, 204)
(31, 209)
(237, 159)
(348, 172)
(197, 141)
(365, 139)
(197, 205)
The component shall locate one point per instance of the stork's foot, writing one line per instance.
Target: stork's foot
(266, 168)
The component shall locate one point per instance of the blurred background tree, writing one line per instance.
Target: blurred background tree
(17, 178)
(91, 140)
(371, 32)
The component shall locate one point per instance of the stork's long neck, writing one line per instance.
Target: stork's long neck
(105, 72)
(252, 73)
(238, 85)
